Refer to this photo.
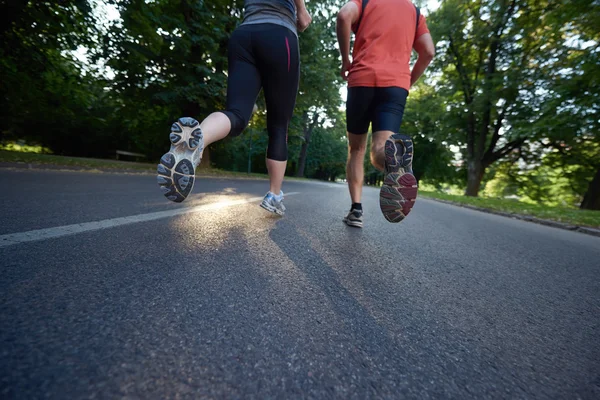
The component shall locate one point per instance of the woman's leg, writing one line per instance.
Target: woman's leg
(176, 171)
(243, 86)
(278, 60)
(215, 127)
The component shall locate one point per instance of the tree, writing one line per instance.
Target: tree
(326, 157)
(169, 58)
(423, 121)
(489, 57)
(591, 199)
(318, 97)
(47, 95)
(563, 144)
(570, 116)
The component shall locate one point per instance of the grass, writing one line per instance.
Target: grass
(22, 147)
(47, 159)
(561, 214)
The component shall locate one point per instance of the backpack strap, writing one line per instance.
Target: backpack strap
(364, 5)
(417, 25)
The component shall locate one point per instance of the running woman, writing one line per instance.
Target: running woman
(379, 77)
(263, 53)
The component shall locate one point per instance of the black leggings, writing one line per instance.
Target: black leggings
(267, 56)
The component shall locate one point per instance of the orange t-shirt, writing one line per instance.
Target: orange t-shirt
(384, 42)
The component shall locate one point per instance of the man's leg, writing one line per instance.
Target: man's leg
(378, 148)
(358, 119)
(355, 174)
(393, 152)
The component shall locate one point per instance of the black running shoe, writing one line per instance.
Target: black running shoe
(354, 218)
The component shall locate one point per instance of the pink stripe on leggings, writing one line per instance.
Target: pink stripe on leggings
(287, 45)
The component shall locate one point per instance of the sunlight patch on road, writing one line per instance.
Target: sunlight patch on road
(51, 233)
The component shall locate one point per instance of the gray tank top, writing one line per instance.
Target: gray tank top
(279, 12)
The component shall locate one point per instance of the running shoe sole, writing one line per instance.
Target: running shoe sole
(399, 190)
(271, 209)
(354, 224)
(177, 167)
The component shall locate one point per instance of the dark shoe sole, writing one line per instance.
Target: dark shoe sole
(176, 172)
(399, 190)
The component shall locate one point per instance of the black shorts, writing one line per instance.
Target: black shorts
(381, 106)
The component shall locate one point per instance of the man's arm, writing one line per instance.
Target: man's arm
(347, 16)
(426, 50)
(304, 18)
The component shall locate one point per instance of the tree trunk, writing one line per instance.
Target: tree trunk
(205, 162)
(302, 159)
(474, 177)
(307, 134)
(418, 175)
(591, 200)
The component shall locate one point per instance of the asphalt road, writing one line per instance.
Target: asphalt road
(227, 301)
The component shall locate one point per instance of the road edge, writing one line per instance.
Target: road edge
(555, 224)
(22, 166)
(72, 168)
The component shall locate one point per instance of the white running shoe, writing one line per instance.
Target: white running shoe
(273, 203)
(177, 167)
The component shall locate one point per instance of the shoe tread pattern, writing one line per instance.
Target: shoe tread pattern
(175, 171)
(399, 190)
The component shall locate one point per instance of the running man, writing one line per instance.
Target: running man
(379, 77)
(263, 53)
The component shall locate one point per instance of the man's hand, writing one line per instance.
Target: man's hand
(304, 20)
(346, 64)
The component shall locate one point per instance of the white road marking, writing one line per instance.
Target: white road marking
(51, 233)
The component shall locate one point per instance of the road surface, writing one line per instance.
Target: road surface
(215, 298)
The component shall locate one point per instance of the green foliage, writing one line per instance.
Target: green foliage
(234, 153)
(47, 96)
(423, 122)
(22, 147)
(569, 119)
(560, 179)
(515, 79)
(318, 98)
(319, 63)
(567, 214)
(169, 58)
(515, 86)
(326, 158)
